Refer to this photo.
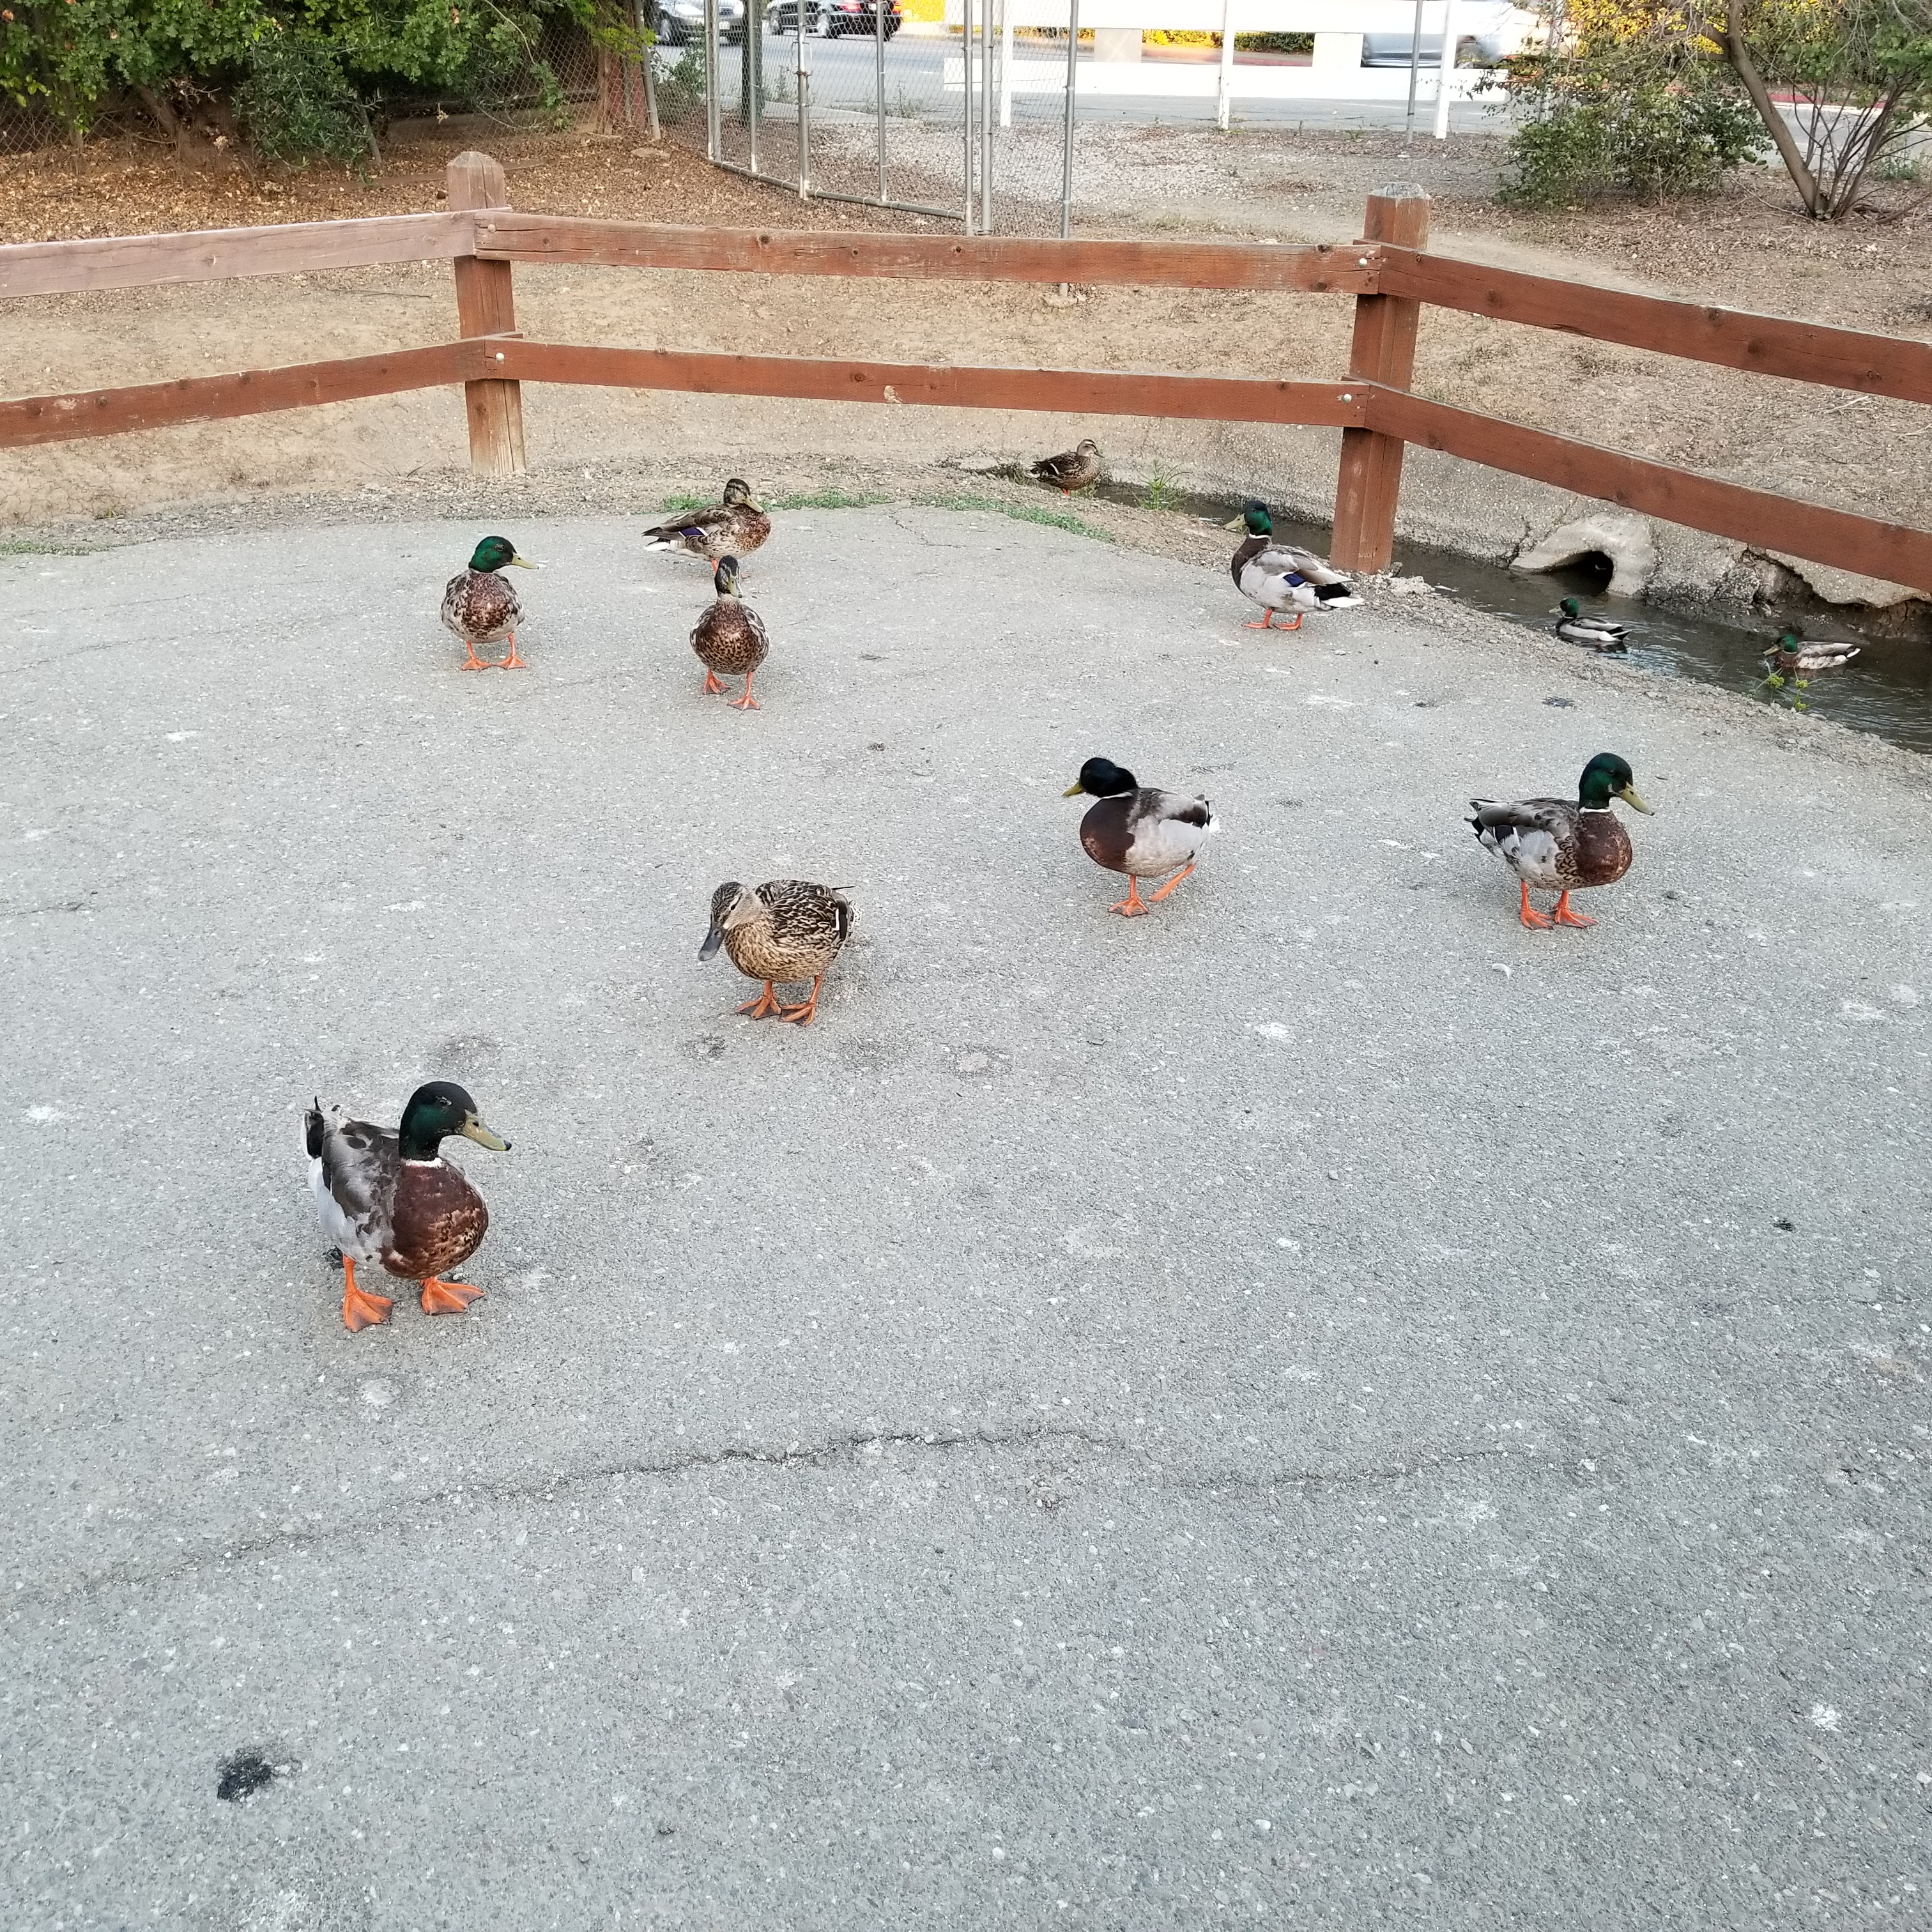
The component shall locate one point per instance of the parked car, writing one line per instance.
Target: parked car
(679, 21)
(1485, 35)
(831, 17)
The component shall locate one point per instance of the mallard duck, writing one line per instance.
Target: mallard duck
(1791, 657)
(736, 527)
(481, 607)
(1599, 633)
(1560, 848)
(1278, 576)
(1072, 468)
(392, 1199)
(730, 636)
(785, 930)
(1136, 829)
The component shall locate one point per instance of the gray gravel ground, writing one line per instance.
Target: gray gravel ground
(1319, 1406)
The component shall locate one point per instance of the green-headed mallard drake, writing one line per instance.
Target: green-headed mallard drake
(1791, 656)
(1279, 577)
(730, 636)
(1072, 469)
(1599, 633)
(736, 527)
(1560, 848)
(782, 932)
(1136, 829)
(392, 1199)
(481, 607)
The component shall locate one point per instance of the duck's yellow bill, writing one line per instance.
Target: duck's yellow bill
(1235, 524)
(473, 1129)
(1073, 790)
(1629, 797)
(524, 563)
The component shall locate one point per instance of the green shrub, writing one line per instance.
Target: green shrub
(298, 106)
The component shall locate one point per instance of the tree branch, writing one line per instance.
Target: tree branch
(1731, 40)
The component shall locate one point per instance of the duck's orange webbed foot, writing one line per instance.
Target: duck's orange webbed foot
(447, 1297)
(765, 1005)
(712, 688)
(472, 661)
(512, 662)
(360, 1309)
(1538, 921)
(1563, 916)
(1154, 898)
(747, 702)
(802, 1015)
(1133, 903)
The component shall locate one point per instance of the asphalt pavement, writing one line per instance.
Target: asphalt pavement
(1319, 1406)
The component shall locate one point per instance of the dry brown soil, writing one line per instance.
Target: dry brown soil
(1747, 248)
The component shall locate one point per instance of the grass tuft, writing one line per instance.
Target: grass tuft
(825, 500)
(1025, 513)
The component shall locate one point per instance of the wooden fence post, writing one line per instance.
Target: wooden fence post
(486, 305)
(1384, 351)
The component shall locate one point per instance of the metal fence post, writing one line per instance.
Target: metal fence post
(986, 116)
(1066, 137)
(879, 83)
(804, 105)
(1384, 351)
(1224, 103)
(486, 305)
(714, 99)
(966, 99)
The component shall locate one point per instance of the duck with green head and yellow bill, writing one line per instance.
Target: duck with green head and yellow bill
(1791, 657)
(481, 606)
(1280, 576)
(1561, 847)
(734, 527)
(1574, 626)
(1140, 831)
(393, 1200)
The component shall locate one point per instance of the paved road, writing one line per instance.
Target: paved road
(844, 75)
(1316, 1407)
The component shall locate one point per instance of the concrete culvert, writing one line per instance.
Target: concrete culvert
(1614, 538)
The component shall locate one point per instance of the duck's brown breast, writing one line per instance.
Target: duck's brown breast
(438, 1223)
(1603, 851)
(729, 638)
(1106, 834)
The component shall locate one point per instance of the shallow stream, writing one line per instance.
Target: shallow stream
(1887, 690)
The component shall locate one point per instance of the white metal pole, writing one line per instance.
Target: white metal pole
(1447, 71)
(986, 117)
(1005, 63)
(1223, 104)
(966, 99)
(1066, 137)
(1415, 71)
(713, 97)
(879, 82)
(804, 104)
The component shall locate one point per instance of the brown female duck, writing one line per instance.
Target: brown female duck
(730, 637)
(785, 931)
(735, 527)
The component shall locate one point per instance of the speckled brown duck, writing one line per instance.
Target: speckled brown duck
(734, 527)
(729, 638)
(784, 932)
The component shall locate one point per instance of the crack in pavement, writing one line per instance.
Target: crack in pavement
(218, 1551)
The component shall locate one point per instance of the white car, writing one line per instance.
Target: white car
(682, 20)
(1487, 33)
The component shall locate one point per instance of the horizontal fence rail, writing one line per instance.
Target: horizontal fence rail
(219, 254)
(1391, 277)
(502, 236)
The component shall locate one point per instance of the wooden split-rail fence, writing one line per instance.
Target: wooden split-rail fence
(1390, 273)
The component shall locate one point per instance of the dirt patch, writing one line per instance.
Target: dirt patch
(1747, 249)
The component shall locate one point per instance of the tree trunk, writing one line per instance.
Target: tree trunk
(1731, 39)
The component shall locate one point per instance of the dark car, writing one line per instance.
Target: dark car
(682, 22)
(835, 17)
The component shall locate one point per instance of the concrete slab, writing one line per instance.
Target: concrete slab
(1317, 1406)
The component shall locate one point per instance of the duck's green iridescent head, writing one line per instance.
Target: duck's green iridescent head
(497, 553)
(1791, 640)
(1254, 519)
(1571, 608)
(435, 1112)
(1607, 776)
